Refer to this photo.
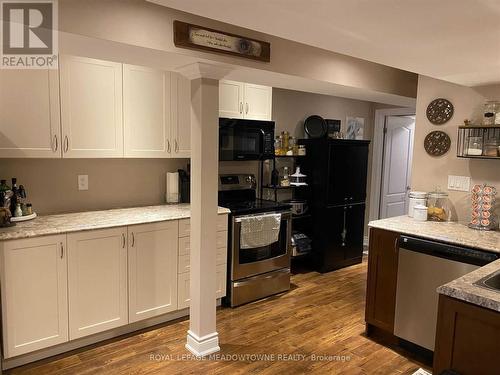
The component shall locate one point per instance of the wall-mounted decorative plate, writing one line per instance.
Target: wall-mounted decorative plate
(437, 143)
(439, 111)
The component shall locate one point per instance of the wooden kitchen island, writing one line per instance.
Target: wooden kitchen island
(468, 323)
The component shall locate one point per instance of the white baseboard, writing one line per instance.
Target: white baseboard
(202, 346)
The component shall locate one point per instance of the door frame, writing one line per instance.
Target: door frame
(378, 155)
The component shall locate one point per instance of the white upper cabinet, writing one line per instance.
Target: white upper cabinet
(29, 114)
(34, 294)
(97, 281)
(258, 102)
(231, 99)
(146, 112)
(152, 269)
(181, 116)
(91, 108)
(245, 100)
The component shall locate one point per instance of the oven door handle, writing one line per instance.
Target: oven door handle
(284, 216)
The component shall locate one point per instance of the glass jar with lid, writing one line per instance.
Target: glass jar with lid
(475, 146)
(438, 206)
(491, 108)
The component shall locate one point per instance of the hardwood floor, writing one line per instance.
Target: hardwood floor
(323, 315)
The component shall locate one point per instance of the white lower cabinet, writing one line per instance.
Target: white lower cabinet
(34, 294)
(184, 260)
(152, 269)
(97, 281)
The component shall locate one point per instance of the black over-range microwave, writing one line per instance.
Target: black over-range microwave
(245, 139)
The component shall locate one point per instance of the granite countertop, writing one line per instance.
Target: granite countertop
(462, 288)
(81, 221)
(450, 232)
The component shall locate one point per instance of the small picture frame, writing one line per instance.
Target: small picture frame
(355, 127)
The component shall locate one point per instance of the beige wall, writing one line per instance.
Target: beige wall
(148, 25)
(430, 172)
(52, 183)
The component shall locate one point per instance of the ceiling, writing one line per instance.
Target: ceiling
(452, 40)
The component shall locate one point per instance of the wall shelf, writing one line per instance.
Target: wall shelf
(467, 135)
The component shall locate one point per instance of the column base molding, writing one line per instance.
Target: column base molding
(202, 346)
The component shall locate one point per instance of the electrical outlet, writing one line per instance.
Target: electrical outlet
(459, 183)
(83, 182)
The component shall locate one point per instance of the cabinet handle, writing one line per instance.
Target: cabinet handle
(55, 144)
(241, 107)
(133, 239)
(123, 241)
(396, 243)
(246, 108)
(62, 250)
(176, 146)
(168, 146)
(66, 143)
(344, 230)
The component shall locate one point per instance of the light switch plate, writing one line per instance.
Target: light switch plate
(459, 183)
(83, 182)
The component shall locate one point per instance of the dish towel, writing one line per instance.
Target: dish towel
(260, 230)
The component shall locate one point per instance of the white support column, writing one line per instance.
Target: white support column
(202, 337)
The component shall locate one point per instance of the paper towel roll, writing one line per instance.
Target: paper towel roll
(172, 187)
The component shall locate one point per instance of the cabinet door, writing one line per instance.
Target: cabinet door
(34, 294)
(231, 99)
(29, 114)
(382, 279)
(348, 165)
(152, 269)
(91, 108)
(97, 278)
(328, 240)
(258, 102)
(146, 112)
(181, 117)
(355, 226)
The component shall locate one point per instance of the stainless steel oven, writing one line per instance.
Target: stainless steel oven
(251, 262)
(259, 272)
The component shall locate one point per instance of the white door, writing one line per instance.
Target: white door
(231, 99)
(258, 102)
(146, 111)
(29, 114)
(34, 294)
(396, 170)
(181, 117)
(91, 108)
(97, 281)
(152, 269)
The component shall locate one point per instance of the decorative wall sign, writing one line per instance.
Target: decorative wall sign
(202, 38)
(439, 111)
(437, 143)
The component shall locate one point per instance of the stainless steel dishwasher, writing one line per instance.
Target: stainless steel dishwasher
(423, 266)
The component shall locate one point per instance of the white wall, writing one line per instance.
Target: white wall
(430, 172)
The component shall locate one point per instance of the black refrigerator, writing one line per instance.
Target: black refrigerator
(337, 173)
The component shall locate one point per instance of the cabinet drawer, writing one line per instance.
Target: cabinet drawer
(222, 222)
(183, 265)
(220, 281)
(221, 257)
(221, 239)
(183, 291)
(184, 228)
(184, 246)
